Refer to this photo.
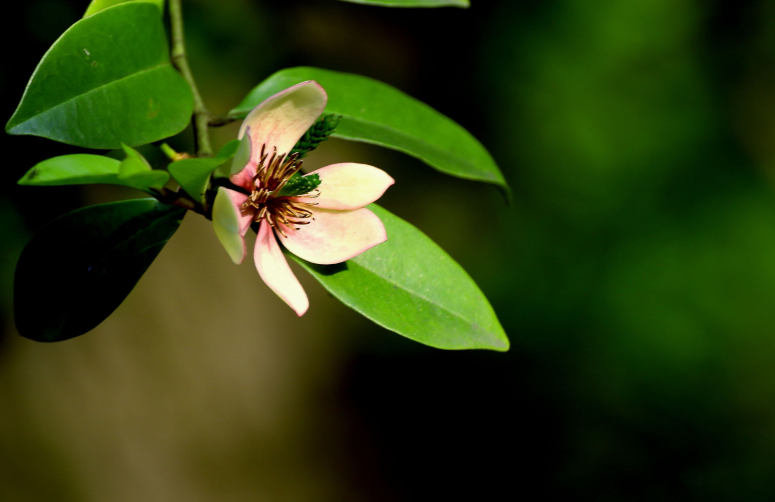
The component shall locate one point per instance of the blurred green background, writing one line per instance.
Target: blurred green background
(634, 272)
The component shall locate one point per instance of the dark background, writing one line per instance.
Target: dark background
(634, 272)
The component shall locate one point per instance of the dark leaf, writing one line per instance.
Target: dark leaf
(79, 268)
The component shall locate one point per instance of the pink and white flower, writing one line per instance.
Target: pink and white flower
(327, 225)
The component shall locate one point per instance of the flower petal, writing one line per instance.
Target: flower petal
(229, 223)
(245, 219)
(350, 186)
(280, 120)
(243, 166)
(275, 272)
(335, 236)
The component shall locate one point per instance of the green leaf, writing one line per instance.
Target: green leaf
(230, 150)
(80, 267)
(98, 5)
(106, 81)
(83, 168)
(413, 3)
(323, 127)
(376, 113)
(136, 172)
(411, 286)
(193, 175)
(76, 169)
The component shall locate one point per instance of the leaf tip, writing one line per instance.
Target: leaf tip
(14, 126)
(27, 178)
(495, 340)
(502, 344)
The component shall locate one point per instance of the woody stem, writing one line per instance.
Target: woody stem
(180, 60)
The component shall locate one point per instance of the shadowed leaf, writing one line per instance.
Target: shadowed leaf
(79, 268)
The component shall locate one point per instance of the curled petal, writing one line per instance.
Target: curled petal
(275, 272)
(245, 219)
(280, 120)
(242, 164)
(349, 186)
(335, 236)
(244, 178)
(229, 223)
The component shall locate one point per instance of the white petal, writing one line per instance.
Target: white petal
(349, 185)
(280, 120)
(335, 236)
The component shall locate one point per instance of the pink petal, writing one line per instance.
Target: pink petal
(335, 236)
(280, 120)
(229, 224)
(244, 178)
(245, 219)
(350, 185)
(275, 272)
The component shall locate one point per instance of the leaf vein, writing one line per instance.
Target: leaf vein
(92, 90)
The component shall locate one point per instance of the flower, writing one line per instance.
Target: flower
(326, 224)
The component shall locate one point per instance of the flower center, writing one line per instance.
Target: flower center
(265, 203)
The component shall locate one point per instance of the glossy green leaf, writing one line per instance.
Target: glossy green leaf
(413, 3)
(377, 113)
(98, 5)
(76, 169)
(411, 286)
(107, 81)
(193, 175)
(83, 168)
(136, 172)
(79, 268)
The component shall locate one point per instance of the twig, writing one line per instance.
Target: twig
(179, 59)
(221, 121)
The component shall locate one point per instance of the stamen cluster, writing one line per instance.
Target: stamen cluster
(264, 202)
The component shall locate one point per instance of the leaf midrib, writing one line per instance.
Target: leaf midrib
(421, 296)
(89, 91)
(490, 175)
